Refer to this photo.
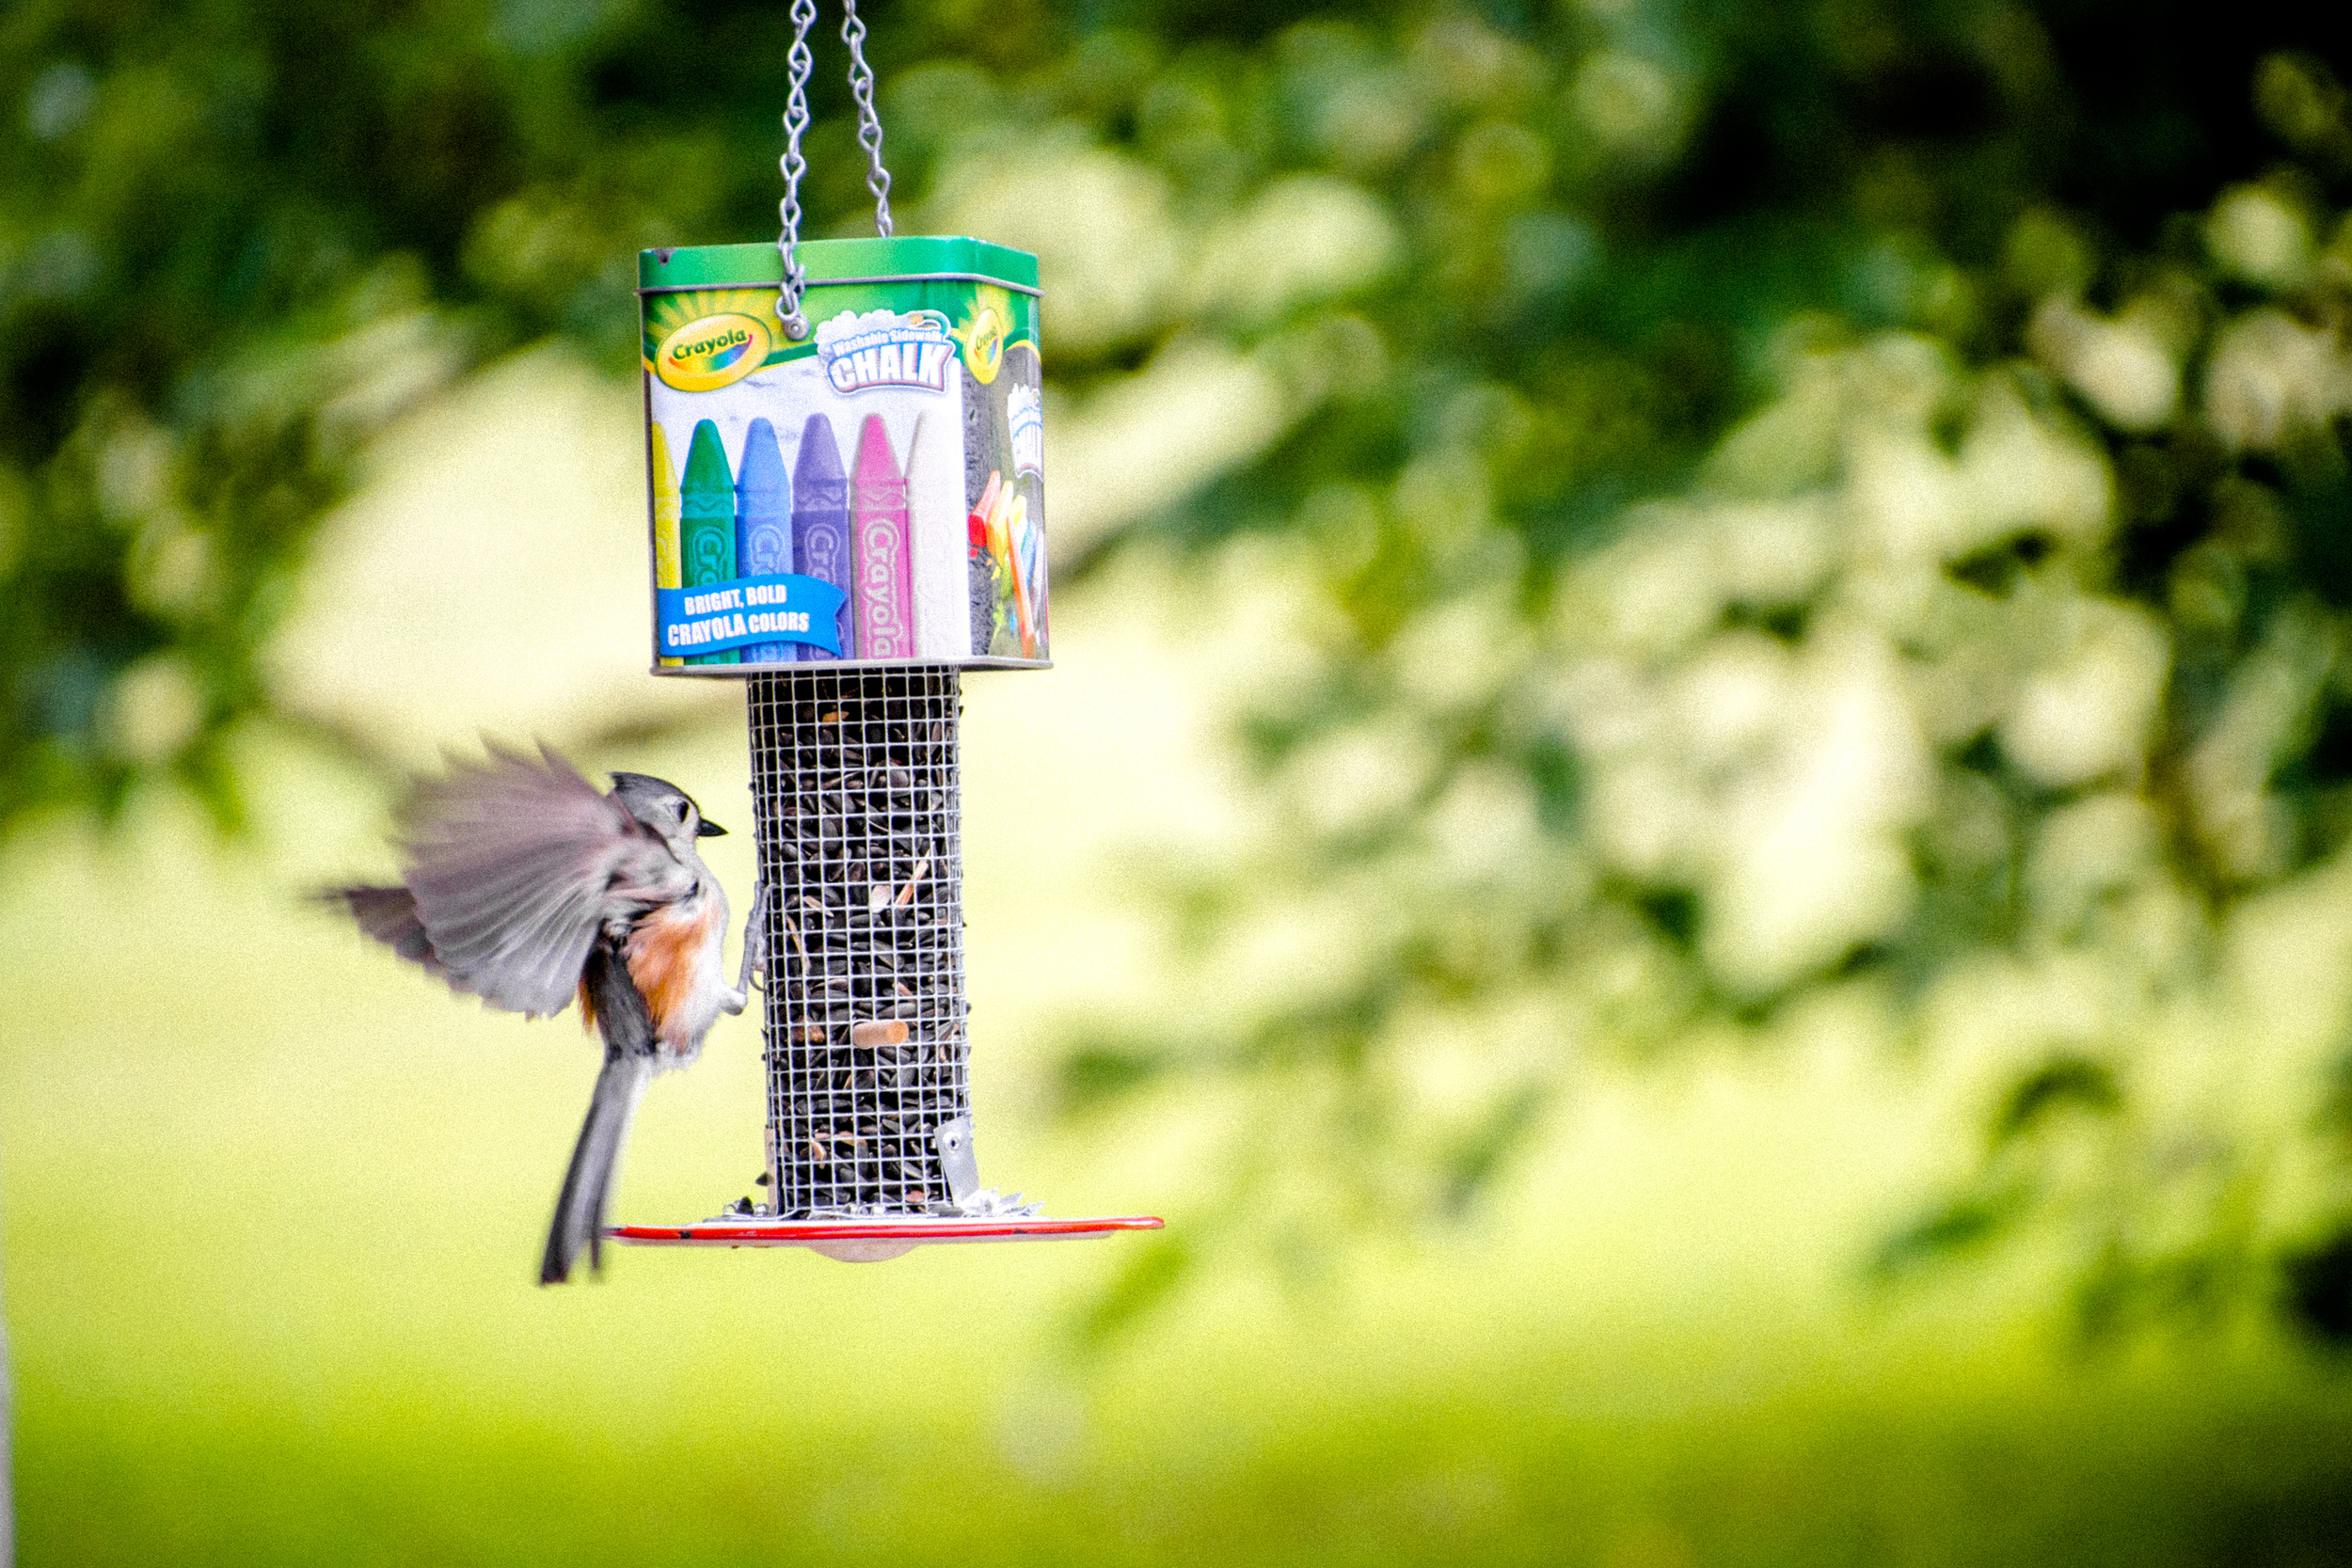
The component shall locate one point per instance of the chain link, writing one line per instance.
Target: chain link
(794, 165)
(869, 136)
(869, 131)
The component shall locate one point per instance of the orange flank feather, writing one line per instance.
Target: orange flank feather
(665, 953)
(664, 949)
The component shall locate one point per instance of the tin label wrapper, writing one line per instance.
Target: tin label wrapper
(874, 492)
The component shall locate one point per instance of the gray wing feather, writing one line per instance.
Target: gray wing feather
(515, 863)
(389, 916)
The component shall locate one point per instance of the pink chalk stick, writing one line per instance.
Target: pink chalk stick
(883, 545)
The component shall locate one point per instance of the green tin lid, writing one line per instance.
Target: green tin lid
(704, 266)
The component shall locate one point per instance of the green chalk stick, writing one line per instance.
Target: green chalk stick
(707, 522)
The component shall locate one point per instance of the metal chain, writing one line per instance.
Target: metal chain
(869, 135)
(794, 165)
(869, 131)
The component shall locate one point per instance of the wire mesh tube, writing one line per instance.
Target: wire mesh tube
(855, 794)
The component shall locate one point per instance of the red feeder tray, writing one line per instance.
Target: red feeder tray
(873, 1239)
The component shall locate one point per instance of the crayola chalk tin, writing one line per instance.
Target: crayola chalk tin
(872, 493)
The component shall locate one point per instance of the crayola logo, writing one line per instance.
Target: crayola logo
(984, 344)
(713, 352)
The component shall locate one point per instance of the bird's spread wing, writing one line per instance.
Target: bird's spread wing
(389, 916)
(515, 863)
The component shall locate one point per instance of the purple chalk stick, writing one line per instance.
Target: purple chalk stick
(820, 525)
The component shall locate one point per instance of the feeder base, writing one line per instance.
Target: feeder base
(873, 1239)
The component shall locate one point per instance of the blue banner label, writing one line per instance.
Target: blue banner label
(740, 611)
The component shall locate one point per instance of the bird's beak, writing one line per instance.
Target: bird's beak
(709, 830)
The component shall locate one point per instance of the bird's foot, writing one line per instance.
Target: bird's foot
(754, 942)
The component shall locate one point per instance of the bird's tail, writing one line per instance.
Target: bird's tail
(579, 1208)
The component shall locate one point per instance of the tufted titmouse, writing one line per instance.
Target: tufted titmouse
(526, 886)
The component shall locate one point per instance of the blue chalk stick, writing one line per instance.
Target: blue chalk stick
(763, 523)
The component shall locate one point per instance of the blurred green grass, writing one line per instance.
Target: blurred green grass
(1488, 1472)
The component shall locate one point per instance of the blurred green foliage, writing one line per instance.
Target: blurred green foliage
(1785, 508)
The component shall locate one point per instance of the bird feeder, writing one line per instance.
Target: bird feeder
(845, 450)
